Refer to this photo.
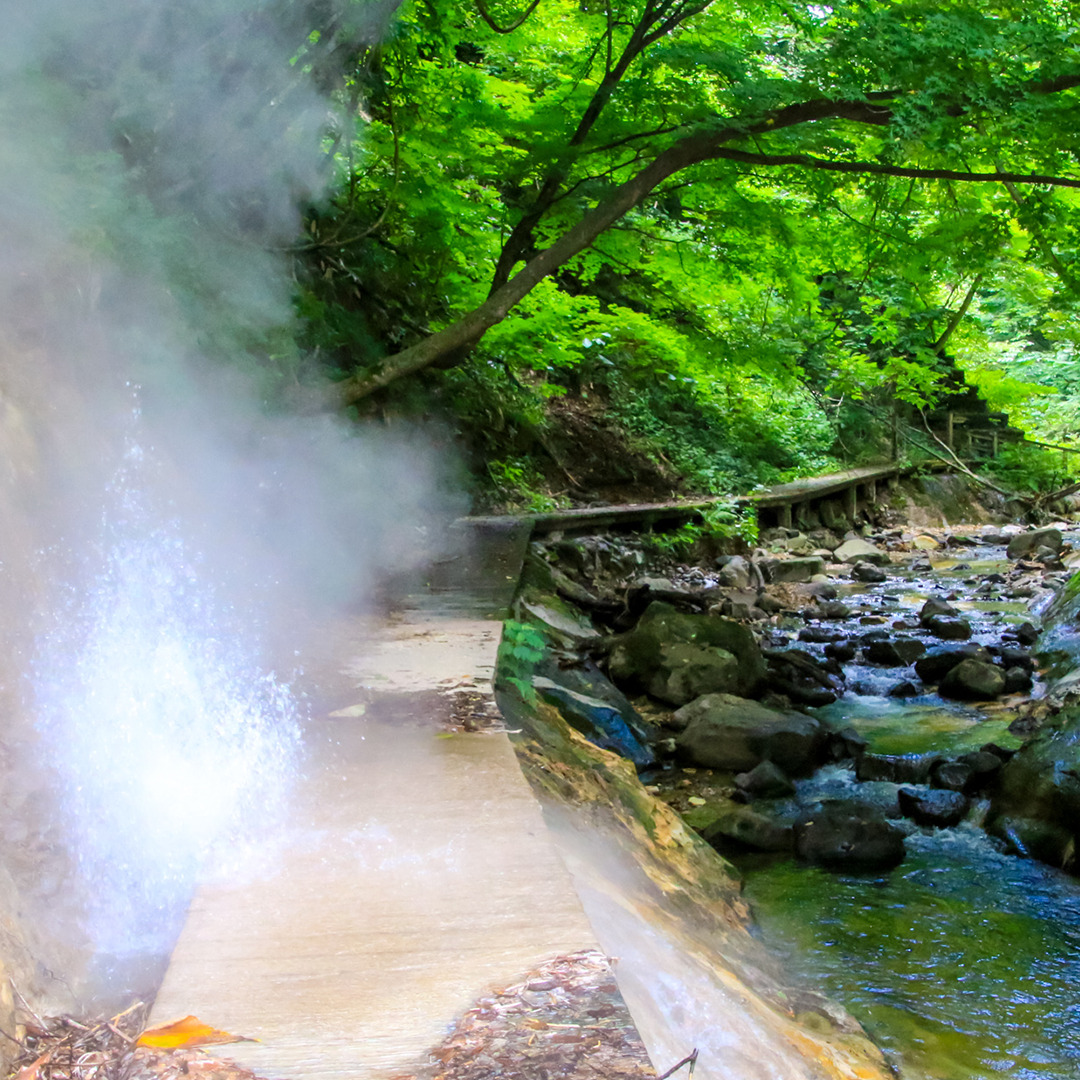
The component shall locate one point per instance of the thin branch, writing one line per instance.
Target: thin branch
(958, 316)
(880, 169)
(690, 1059)
(489, 19)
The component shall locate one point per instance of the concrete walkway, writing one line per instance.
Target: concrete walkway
(415, 873)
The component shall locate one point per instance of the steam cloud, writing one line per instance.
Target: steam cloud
(157, 522)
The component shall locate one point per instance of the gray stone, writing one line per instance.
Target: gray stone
(792, 570)
(1036, 802)
(953, 775)
(735, 573)
(973, 680)
(896, 653)
(677, 657)
(868, 573)
(1018, 680)
(938, 809)
(842, 836)
(1028, 542)
(765, 781)
(896, 768)
(948, 629)
(940, 660)
(856, 550)
(727, 732)
(935, 608)
(749, 828)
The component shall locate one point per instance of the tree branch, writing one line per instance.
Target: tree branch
(880, 169)
(489, 19)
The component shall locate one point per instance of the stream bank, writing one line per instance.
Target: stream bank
(848, 663)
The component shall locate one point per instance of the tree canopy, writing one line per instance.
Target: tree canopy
(842, 193)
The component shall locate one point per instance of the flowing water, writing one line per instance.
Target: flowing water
(964, 961)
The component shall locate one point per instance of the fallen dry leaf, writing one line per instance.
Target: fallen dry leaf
(30, 1072)
(190, 1031)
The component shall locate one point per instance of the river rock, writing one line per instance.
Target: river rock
(953, 775)
(792, 570)
(735, 573)
(677, 657)
(941, 659)
(1036, 804)
(896, 768)
(868, 573)
(1025, 633)
(905, 689)
(1018, 680)
(899, 652)
(749, 828)
(985, 765)
(938, 809)
(948, 629)
(972, 680)
(847, 836)
(828, 609)
(765, 781)
(935, 608)
(858, 550)
(1012, 656)
(842, 651)
(1029, 542)
(722, 731)
(819, 635)
(924, 542)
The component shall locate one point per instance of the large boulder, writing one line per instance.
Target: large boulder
(973, 680)
(677, 657)
(940, 660)
(722, 731)
(1029, 542)
(1036, 802)
(848, 836)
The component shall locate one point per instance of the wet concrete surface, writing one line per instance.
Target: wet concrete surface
(414, 875)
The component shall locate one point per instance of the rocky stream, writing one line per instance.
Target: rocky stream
(878, 731)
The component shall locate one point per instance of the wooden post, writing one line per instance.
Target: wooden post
(852, 495)
(784, 515)
(949, 429)
(871, 492)
(994, 450)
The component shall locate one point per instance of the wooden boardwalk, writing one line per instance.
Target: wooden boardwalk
(776, 505)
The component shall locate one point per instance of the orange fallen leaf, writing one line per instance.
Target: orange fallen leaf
(190, 1031)
(31, 1071)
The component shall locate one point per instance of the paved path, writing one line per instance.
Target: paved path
(415, 874)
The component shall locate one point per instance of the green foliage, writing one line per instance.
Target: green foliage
(521, 648)
(1033, 469)
(516, 483)
(722, 521)
(734, 316)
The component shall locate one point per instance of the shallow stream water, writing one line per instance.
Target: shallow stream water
(964, 961)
